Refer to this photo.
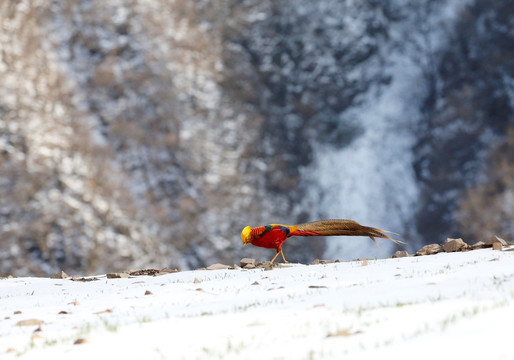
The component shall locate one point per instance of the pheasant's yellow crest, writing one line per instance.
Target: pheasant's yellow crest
(245, 234)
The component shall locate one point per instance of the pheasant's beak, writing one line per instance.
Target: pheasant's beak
(245, 235)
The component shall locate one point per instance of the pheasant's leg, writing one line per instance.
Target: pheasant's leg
(274, 257)
(282, 253)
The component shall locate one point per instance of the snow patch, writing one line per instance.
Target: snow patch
(463, 302)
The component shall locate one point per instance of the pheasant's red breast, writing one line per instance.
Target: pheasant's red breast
(270, 236)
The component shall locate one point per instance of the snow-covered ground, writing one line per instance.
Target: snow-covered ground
(439, 306)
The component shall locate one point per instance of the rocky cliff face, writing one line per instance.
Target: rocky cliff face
(152, 132)
(466, 119)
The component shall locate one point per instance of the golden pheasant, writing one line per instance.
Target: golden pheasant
(272, 236)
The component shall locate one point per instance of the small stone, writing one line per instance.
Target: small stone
(106, 311)
(80, 341)
(318, 261)
(267, 265)
(246, 261)
(495, 239)
(497, 246)
(218, 267)
(29, 322)
(342, 333)
(197, 281)
(249, 266)
(17, 312)
(74, 303)
(148, 292)
(167, 271)
(429, 249)
(59, 275)
(400, 254)
(255, 283)
(144, 272)
(452, 245)
(62, 312)
(478, 245)
(117, 275)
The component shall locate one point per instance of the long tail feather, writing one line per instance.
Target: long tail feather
(338, 227)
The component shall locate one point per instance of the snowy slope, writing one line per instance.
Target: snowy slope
(439, 305)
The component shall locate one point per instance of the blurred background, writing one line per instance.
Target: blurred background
(138, 134)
